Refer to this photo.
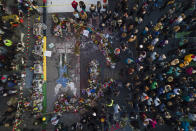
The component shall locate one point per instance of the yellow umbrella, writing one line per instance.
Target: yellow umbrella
(188, 58)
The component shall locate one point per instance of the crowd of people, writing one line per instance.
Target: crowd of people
(9, 52)
(160, 76)
(158, 69)
(14, 58)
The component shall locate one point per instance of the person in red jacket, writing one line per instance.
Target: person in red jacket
(74, 5)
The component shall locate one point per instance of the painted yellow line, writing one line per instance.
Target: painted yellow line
(44, 59)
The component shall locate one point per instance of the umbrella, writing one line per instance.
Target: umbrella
(188, 57)
(8, 42)
(129, 60)
(117, 51)
(170, 79)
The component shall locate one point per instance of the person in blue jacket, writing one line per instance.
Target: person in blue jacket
(185, 125)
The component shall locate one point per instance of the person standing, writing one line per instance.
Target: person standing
(82, 5)
(74, 5)
(92, 8)
(98, 6)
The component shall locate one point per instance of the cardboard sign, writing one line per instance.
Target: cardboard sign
(48, 53)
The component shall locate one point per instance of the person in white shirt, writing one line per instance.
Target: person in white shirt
(176, 91)
(149, 101)
(157, 101)
(116, 109)
(153, 55)
(154, 42)
(179, 19)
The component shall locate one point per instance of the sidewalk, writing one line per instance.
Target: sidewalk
(55, 6)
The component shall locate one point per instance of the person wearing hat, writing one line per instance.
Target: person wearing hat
(170, 79)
